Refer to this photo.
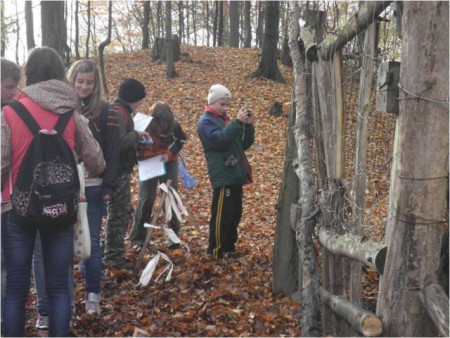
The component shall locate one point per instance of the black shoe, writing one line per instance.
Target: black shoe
(118, 264)
(174, 246)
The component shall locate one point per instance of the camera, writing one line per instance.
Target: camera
(248, 112)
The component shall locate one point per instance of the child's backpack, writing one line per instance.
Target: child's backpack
(47, 186)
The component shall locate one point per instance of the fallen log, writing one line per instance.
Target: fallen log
(435, 301)
(364, 250)
(361, 320)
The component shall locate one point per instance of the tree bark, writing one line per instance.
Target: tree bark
(356, 24)
(420, 194)
(180, 21)
(29, 23)
(145, 24)
(170, 69)
(77, 31)
(285, 252)
(268, 67)
(435, 302)
(361, 320)
(310, 317)
(102, 46)
(53, 26)
(234, 23)
(220, 23)
(360, 248)
(247, 24)
(88, 36)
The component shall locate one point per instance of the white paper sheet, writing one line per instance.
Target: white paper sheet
(141, 121)
(151, 167)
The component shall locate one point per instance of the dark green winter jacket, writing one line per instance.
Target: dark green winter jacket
(224, 147)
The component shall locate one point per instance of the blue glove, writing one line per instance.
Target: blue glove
(187, 180)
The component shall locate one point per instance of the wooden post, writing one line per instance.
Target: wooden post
(150, 230)
(359, 180)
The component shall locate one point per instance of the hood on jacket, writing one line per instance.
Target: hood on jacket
(54, 95)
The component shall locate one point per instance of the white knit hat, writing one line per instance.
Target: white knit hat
(217, 92)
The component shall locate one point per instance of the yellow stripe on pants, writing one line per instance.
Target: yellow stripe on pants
(218, 223)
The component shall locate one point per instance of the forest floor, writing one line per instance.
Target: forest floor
(229, 297)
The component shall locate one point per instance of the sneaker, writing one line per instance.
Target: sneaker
(93, 303)
(42, 322)
(232, 254)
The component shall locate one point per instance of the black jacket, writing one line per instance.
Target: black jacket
(105, 129)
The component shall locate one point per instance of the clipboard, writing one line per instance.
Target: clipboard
(151, 167)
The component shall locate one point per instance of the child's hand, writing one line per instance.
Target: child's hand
(246, 115)
(82, 197)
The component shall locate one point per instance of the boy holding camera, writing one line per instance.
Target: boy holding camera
(224, 143)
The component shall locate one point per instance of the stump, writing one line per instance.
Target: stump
(159, 49)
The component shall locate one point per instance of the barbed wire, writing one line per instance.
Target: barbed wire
(419, 96)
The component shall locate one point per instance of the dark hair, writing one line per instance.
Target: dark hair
(10, 70)
(93, 107)
(44, 64)
(163, 120)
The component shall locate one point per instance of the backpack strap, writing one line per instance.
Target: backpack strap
(31, 123)
(25, 115)
(63, 120)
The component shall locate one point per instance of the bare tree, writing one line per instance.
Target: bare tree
(29, 23)
(170, 70)
(77, 31)
(145, 24)
(102, 46)
(268, 67)
(234, 23)
(53, 25)
(247, 24)
(88, 29)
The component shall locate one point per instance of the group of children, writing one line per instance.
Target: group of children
(103, 137)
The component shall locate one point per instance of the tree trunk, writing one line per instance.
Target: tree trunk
(194, 21)
(310, 316)
(17, 32)
(285, 251)
(77, 31)
(216, 22)
(170, 70)
(420, 191)
(247, 24)
(145, 24)
(234, 23)
(268, 67)
(2, 31)
(53, 26)
(29, 23)
(220, 24)
(260, 27)
(88, 37)
(180, 21)
(102, 46)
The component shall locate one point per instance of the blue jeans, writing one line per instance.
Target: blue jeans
(95, 211)
(18, 244)
(42, 306)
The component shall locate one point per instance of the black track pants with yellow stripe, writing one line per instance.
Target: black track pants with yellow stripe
(226, 213)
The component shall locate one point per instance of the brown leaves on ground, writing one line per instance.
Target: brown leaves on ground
(230, 297)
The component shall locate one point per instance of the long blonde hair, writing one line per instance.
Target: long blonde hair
(93, 108)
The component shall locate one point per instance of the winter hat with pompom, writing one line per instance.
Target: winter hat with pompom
(218, 92)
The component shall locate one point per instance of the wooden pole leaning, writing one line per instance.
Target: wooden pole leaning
(150, 230)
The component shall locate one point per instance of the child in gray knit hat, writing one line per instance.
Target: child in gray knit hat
(224, 143)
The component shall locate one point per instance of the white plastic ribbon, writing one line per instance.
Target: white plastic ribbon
(151, 267)
(179, 202)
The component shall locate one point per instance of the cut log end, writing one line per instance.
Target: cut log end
(371, 326)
